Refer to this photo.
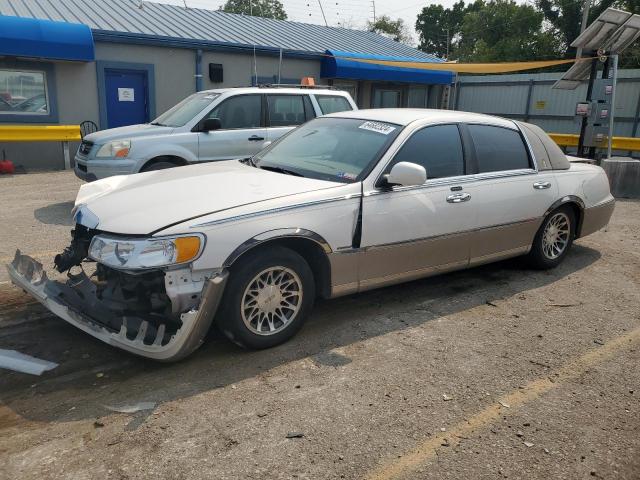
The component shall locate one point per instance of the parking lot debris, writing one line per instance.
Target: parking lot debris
(446, 397)
(490, 303)
(519, 434)
(598, 341)
(98, 424)
(136, 407)
(505, 405)
(528, 444)
(19, 362)
(295, 435)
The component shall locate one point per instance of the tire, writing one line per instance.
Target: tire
(266, 320)
(158, 166)
(549, 252)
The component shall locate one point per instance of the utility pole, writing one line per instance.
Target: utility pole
(373, 5)
(586, 6)
(447, 57)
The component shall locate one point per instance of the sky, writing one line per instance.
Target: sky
(348, 13)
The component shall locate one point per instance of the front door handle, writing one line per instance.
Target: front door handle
(458, 198)
(541, 185)
(255, 138)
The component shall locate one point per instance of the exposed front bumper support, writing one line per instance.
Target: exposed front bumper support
(28, 274)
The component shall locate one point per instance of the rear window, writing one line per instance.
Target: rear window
(331, 104)
(498, 149)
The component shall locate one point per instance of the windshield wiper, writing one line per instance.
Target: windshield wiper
(249, 161)
(281, 170)
(158, 124)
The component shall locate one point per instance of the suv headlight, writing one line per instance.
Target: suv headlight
(142, 253)
(115, 149)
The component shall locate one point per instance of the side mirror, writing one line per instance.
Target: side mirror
(210, 124)
(406, 174)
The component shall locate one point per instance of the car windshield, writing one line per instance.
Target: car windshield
(183, 112)
(335, 149)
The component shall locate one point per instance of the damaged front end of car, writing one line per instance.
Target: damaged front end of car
(162, 312)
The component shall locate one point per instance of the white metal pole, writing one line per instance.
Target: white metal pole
(585, 18)
(280, 67)
(612, 108)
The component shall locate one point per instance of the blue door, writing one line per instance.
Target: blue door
(127, 97)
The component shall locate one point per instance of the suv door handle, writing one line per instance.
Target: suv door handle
(458, 198)
(255, 138)
(541, 185)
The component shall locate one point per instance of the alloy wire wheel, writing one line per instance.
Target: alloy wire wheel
(272, 300)
(555, 237)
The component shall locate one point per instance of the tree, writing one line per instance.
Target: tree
(438, 28)
(502, 30)
(257, 8)
(395, 29)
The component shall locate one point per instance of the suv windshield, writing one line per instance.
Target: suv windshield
(183, 112)
(335, 149)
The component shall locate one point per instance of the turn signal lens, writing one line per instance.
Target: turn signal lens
(122, 153)
(186, 248)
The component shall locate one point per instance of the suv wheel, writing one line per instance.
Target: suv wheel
(267, 299)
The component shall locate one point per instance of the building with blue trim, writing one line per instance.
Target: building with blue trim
(126, 61)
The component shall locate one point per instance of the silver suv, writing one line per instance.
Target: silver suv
(207, 126)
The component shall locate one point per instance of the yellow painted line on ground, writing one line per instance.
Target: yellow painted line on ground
(427, 450)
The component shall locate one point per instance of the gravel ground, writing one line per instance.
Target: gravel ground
(495, 372)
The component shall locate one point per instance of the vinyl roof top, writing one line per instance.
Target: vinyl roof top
(155, 20)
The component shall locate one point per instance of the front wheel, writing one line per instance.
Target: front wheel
(554, 239)
(269, 295)
(158, 166)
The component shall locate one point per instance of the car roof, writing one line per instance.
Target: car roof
(405, 116)
(267, 89)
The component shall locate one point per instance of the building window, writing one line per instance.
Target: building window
(23, 92)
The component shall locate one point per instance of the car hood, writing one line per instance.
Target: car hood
(125, 133)
(148, 202)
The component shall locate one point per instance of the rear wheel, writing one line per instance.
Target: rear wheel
(269, 295)
(554, 239)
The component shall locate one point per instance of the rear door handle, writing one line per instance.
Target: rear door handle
(255, 138)
(541, 185)
(458, 198)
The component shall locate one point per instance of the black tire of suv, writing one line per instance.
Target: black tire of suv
(158, 166)
(536, 257)
(229, 318)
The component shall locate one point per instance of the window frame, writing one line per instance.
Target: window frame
(475, 166)
(268, 112)
(48, 71)
(263, 113)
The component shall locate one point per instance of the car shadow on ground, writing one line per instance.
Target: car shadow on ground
(55, 214)
(92, 374)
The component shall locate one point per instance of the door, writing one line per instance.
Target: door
(409, 232)
(511, 197)
(242, 134)
(285, 112)
(126, 97)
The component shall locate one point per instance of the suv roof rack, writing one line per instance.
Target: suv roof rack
(294, 85)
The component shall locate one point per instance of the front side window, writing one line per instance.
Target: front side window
(438, 149)
(186, 110)
(331, 104)
(498, 149)
(285, 110)
(23, 92)
(335, 149)
(240, 112)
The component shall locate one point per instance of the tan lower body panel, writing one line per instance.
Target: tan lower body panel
(596, 218)
(492, 243)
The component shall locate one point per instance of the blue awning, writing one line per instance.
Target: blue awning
(337, 66)
(29, 37)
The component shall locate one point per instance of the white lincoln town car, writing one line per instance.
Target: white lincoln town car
(345, 203)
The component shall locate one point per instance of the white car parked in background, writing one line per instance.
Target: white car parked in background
(207, 126)
(345, 203)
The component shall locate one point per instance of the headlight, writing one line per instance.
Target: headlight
(134, 253)
(116, 149)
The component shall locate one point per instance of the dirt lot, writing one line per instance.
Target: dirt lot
(496, 372)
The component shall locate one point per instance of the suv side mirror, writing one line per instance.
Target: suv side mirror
(406, 174)
(210, 124)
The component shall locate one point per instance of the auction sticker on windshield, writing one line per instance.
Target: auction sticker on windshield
(378, 127)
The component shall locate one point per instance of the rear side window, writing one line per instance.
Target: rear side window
(498, 149)
(331, 104)
(243, 111)
(286, 110)
(438, 149)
